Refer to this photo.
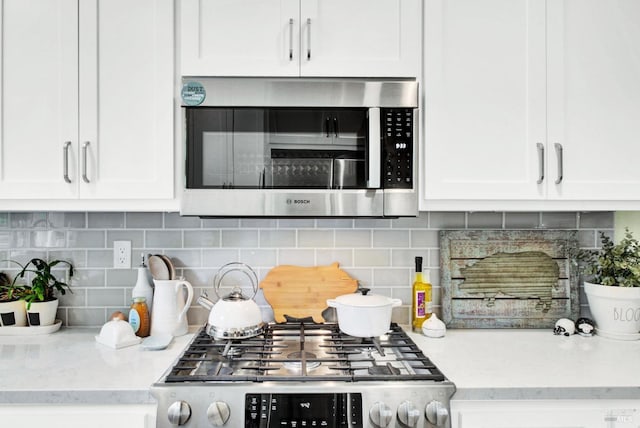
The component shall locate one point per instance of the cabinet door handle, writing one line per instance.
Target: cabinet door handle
(540, 148)
(65, 161)
(85, 149)
(559, 156)
(290, 39)
(327, 124)
(336, 128)
(308, 39)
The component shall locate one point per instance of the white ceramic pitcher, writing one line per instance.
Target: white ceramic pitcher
(169, 314)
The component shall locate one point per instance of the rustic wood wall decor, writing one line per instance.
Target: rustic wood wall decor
(508, 278)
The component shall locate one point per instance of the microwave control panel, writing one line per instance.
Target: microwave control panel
(397, 147)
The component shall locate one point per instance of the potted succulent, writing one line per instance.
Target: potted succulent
(40, 294)
(12, 308)
(613, 290)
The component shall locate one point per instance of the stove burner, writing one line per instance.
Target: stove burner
(383, 370)
(296, 361)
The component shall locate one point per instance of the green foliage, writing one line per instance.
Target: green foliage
(44, 284)
(614, 264)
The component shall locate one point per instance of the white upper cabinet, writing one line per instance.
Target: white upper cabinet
(484, 78)
(531, 104)
(39, 93)
(350, 38)
(594, 98)
(87, 103)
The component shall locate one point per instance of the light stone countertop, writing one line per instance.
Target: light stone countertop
(70, 367)
(534, 364)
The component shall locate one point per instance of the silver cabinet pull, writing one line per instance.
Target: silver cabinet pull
(85, 149)
(558, 147)
(65, 161)
(308, 39)
(290, 39)
(540, 148)
(336, 128)
(374, 157)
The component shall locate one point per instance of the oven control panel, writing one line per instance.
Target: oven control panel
(334, 410)
(397, 147)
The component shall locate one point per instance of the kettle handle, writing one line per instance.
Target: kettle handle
(187, 304)
(236, 266)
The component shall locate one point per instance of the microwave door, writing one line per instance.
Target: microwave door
(374, 150)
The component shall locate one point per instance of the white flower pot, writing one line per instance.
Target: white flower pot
(42, 313)
(616, 310)
(13, 314)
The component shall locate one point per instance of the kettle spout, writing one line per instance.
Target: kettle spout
(204, 301)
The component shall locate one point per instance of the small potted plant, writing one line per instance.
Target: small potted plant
(41, 294)
(613, 291)
(12, 308)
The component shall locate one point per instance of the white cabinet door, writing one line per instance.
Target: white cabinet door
(545, 414)
(39, 97)
(240, 38)
(126, 99)
(484, 105)
(87, 101)
(594, 98)
(360, 38)
(78, 416)
(352, 38)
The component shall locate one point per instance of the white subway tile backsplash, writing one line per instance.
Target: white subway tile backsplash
(296, 257)
(391, 238)
(559, 220)
(424, 239)
(522, 220)
(143, 220)
(175, 221)
(372, 258)
(353, 238)
(379, 253)
(86, 238)
(447, 220)
(484, 220)
(163, 239)
(326, 257)
(315, 238)
(277, 238)
(105, 220)
(135, 236)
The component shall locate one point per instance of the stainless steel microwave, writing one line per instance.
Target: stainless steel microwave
(287, 147)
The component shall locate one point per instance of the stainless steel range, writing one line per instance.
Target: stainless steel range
(300, 374)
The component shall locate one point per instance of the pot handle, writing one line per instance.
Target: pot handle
(187, 304)
(332, 303)
(396, 303)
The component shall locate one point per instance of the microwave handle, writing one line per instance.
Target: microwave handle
(374, 155)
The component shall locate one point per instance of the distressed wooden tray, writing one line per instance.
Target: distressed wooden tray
(508, 278)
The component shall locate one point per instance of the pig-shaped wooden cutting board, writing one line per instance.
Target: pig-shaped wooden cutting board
(301, 292)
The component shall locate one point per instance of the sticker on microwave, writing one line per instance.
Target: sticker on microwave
(193, 93)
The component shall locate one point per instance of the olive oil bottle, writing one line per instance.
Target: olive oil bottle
(421, 307)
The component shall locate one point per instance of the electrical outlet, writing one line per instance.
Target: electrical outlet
(122, 254)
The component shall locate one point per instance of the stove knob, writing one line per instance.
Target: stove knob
(437, 413)
(218, 413)
(380, 414)
(408, 414)
(179, 413)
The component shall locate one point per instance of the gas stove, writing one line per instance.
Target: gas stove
(301, 374)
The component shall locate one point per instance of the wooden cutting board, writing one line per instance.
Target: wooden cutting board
(301, 292)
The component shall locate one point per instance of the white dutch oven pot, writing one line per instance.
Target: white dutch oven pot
(233, 316)
(364, 315)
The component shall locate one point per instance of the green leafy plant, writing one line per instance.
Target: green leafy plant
(8, 290)
(44, 284)
(614, 264)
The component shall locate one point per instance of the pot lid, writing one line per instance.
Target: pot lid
(364, 300)
(235, 296)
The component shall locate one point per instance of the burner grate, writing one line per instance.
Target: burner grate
(302, 351)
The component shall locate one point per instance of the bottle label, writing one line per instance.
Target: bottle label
(134, 320)
(420, 304)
